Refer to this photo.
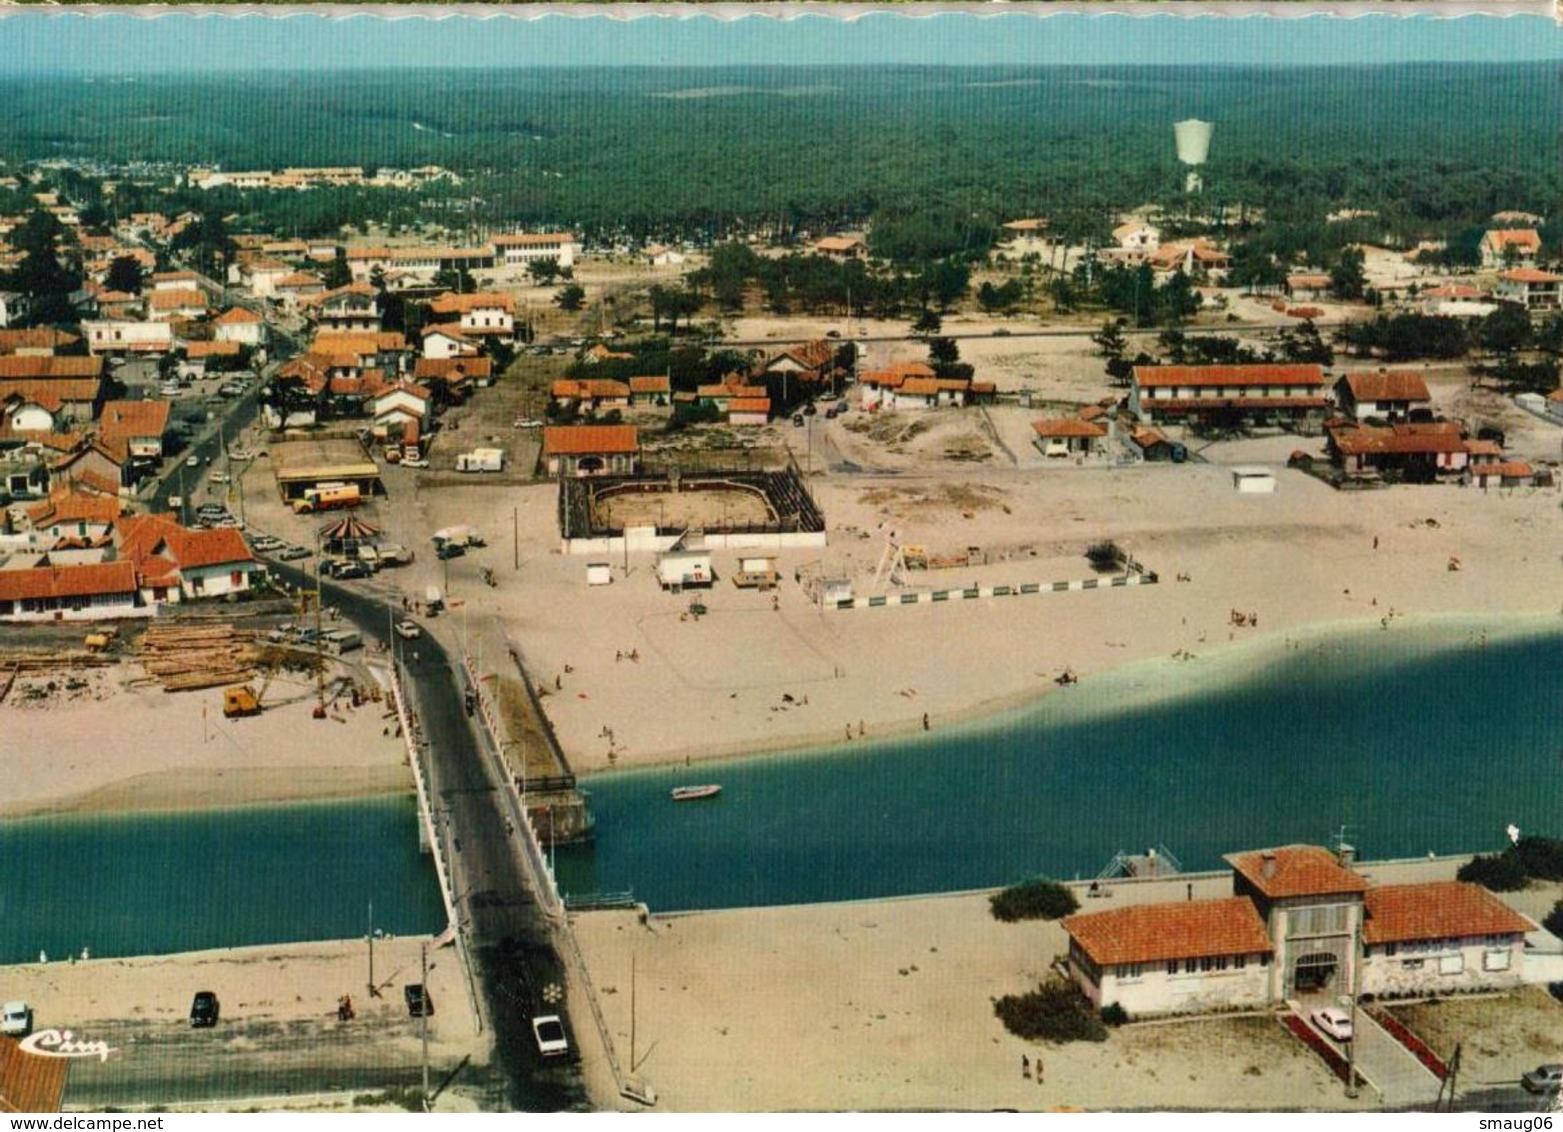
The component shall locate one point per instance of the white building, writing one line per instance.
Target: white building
(127, 336)
(521, 249)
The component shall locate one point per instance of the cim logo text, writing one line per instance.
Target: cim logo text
(63, 1043)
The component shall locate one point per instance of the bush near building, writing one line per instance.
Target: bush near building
(1033, 900)
(1057, 1011)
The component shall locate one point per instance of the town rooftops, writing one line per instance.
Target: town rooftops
(357, 342)
(1150, 933)
(1296, 870)
(68, 581)
(749, 405)
(1522, 239)
(1235, 377)
(450, 303)
(48, 367)
(149, 536)
(71, 506)
(134, 418)
(51, 395)
(589, 440)
(1403, 913)
(35, 338)
(235, 316)
(1063, 427)
(1387, 385)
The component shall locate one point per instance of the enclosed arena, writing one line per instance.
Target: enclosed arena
(740, 509)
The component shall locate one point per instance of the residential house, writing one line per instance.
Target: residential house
(803, 371)
(651, 391)
(842, 248)
(1457, 300)
(140, 425)
(127, 336)
(1311, 283)
(174, 563)
(588, 395)
(422, 263)
(1254, 394)
(96, 459)
(880, 386)
(447, 341)
(36, 342)
(241, 326)
(176, 281)
(660, 255)
(352, 308)
(399, 404)
(456, 376)
(1508, 473)
(600, 353)
(203, 357)
(1192, 257)
(1154, 446)
(1069, 436)
(1510, 247)
(720, 395)
(297, 289)
(748, 410)
(70, 593)
(479, 315)
(1028, 235)
(262, 275)
(591, 450)
(384, 348)
(1531, 288)
(1136, 240)
(929, 393)
(521, 249)
(163, 306)
(1391, 394)
(73, 517)
(1419, 451)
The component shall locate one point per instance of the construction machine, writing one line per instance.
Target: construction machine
(240, 700)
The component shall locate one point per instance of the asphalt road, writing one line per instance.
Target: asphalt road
(506, 931)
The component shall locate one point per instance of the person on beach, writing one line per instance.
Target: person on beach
(925, 721)
(1039, 1069)
(1025, 1066)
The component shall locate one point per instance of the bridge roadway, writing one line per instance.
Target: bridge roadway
(505, 929)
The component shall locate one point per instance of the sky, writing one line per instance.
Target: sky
(38, 41)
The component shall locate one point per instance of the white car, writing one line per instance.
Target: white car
(16, 1019)
(415, 463)
(1333, 1021)
(548, 1031)
(192, 461)
(408, 630)
(219, 477)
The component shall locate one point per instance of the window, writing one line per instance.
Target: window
(1411, 964)
(1172, 966)
(1497, 960)
(1130, 970)
(1240, 962)
(1391, 948)
(1451, 964)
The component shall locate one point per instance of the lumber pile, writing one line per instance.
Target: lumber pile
(186, 657)
(24, 661)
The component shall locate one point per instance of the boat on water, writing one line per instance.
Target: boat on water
(691, 793)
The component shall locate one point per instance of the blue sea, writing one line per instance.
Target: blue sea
(1415, 740)
(159, 883)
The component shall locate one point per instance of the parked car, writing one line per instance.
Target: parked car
(408, 630)
(414, 462)
(16, 1019)
(450, 550)
(192, 461)
(797, 420)
(548, 1032)
(419, 1003)
(1333, 1021)
(231, 389)
(266, 543)
(175, 502)
(289, 553)
(212, 511)
(344, 569)
(1544, 1078)
(219, 477)
(204, 1010)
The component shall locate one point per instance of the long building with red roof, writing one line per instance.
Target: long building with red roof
(1247, 394)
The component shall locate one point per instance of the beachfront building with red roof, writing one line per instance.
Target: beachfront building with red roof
(1446, 936)
(1386, 393)
(1172, 958)
(1419, 451)
(1228, 395)
(101, 591)
(1531, 288)
(1068, 436)
(176, 563)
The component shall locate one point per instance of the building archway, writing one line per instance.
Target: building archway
(1314, 971)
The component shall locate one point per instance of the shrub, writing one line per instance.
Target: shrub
(1033, 900)
(1502, 873)
(1541, 857)
(1114, 1014)
(1056, 1011)
(1553, 920)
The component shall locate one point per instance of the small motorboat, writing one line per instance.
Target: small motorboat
(692, 793)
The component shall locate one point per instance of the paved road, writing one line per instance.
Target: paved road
(506, 931)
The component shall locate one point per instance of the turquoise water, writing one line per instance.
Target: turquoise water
(153, 884)
(1418, 740)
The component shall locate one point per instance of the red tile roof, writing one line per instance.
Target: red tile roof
(175, 299)
(49, 367)
(650, 384)
(359, 342)
(588, 389)
(1235, 376)
(1399, 439)
(134, 418)
(1529, 275)
(1298, 870)
(35, 338)
(1404, 913)
(749, 405)
(450, 303)
(234, 316)
(212, 349)
(57, 582)
(1150, 933)
(589, 440)
(532, 239)
(453, 369)
(68, 506)
(1514, 469)
(1066, 427)
(51, 394)
(1387, 385)
(1525, 239)
(29, 1083)
(143, 538)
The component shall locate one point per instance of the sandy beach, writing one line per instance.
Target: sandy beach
(116, 744)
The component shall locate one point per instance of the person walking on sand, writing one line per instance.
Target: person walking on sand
(925, 721)
(1025, 1066)
(1039, 1069)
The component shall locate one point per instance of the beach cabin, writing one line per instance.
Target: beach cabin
(756, 571)
(679, 569)
(599, 574)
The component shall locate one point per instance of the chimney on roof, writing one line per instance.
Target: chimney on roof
(1267, 865)
(1346, 855)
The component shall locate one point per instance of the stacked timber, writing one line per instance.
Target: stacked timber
(184, 658)
(48, 661)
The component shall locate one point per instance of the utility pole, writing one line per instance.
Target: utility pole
(423, 952)
(374, 992)
(515, 534)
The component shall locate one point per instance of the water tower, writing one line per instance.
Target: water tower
(1193, 138)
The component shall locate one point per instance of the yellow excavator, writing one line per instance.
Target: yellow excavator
(240, 700)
